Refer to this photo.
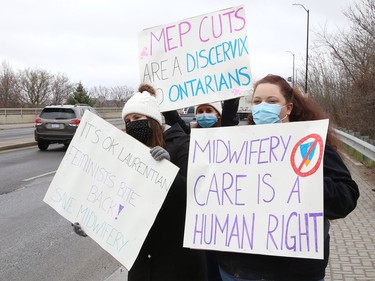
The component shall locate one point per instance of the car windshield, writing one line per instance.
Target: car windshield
(58, 113)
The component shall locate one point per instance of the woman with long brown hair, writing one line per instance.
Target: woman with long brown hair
(275, 101)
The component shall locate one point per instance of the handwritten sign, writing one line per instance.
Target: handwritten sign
(257, 189)
(110, 184)
(197, 60)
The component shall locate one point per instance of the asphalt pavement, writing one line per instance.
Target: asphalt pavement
(352, 249)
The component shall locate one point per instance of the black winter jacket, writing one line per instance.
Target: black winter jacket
(340, 198)
(162, 256)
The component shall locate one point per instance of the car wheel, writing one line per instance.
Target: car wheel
(43, 145)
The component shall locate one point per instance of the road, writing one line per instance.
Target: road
(18, 133)
(21, 166)
(37, 243)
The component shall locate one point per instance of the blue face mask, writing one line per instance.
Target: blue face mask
(265, 113)
(206, 120)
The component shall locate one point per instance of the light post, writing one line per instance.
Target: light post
(293, 68)
(307, 44)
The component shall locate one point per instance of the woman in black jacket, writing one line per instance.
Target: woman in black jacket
(162, 256)
(224, 114)
(275, 101)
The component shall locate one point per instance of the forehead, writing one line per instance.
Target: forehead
(268, 90)
(205, 107)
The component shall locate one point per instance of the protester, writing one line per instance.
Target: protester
(275, 101)
(162, 256)
(209, 115)
(218, 113)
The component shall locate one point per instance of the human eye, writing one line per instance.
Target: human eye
(272, 101)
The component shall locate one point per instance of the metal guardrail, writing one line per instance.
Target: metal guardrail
(20, 111)
(361, 146)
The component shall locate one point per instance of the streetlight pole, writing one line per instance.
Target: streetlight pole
(307, 44)
(293, 68)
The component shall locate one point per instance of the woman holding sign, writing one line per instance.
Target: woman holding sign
(275, 101)
(208, 115)
(162, 256)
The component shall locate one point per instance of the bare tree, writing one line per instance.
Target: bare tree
(343, 70)
(61, 88)
(121, 94)
(113, 96)
(101, 95)
(9, 95)
(35, 86)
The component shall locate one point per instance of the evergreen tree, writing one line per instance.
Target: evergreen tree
(80, 96)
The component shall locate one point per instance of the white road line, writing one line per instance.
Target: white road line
(39, 176)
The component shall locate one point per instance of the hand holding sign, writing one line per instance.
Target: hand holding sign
(108, 182)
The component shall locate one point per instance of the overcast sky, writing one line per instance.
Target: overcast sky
(96, 41)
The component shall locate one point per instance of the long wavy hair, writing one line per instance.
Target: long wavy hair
(304, 108)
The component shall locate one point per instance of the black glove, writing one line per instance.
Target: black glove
(77, 229)
(172, 117)
(159, 153)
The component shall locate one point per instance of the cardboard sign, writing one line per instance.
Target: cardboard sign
(110, 184)
(257, 189)
(197, 60)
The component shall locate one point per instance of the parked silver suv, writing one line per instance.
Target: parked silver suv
(58, 123)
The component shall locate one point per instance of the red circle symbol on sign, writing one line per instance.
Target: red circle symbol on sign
(317, 141)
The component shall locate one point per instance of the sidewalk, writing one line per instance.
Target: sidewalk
(352, 251)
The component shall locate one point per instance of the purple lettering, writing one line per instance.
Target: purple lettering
(200, 30)
(212, 229)
(261, 151)
(273, 146)
(294, 231)
(295, 189)
(195, 190)
(181, 31)
(261, 188)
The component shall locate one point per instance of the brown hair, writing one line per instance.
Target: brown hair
(157, 137)
(304, 108)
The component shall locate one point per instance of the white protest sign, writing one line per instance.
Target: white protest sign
(110, 184)
(257, 189)
(197, 60)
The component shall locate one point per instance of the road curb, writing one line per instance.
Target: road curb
(17, 145)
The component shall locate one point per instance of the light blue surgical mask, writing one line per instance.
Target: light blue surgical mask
(206, 120)
(265, 113)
